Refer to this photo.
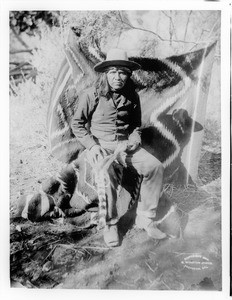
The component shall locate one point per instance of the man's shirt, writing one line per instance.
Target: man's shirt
(110, 118)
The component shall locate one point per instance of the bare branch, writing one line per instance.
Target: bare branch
(163, 12)
(12, 88)
(215, 29)
(18, 37)
(186, 27)
(157, 35)
(14, 63)
(170, 30)
(21, 51)
(209, 37)
(171, 20)
(133, 27)
(20, 64)
(18, 80)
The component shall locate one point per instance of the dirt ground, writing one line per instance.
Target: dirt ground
(60, 255)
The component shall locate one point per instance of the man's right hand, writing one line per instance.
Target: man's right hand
(97, 153)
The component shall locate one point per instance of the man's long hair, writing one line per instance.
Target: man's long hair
(103, 88)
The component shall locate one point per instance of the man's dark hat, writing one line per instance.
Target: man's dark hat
(116, 58)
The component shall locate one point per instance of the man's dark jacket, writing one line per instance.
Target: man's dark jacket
(109, 117)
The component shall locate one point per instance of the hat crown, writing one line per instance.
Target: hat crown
(116, 54)
(116, 58)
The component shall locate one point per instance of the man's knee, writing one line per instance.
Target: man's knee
(154, 166)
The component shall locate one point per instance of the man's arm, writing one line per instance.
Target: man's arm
(81, 117)
(134, 139)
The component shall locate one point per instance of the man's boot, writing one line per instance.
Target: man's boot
(148, 224)
(110, 234)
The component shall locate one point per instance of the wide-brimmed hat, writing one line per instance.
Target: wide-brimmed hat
(116, 58)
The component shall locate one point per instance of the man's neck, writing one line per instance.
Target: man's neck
(118, 91)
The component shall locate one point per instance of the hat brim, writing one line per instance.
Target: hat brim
(102, 66)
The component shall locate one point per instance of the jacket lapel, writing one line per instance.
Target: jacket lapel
(123, 101)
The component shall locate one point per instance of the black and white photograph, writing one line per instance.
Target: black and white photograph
(115, 149)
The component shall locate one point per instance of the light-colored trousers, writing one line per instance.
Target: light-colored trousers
(151, 170)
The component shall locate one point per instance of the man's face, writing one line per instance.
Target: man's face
(117, 78)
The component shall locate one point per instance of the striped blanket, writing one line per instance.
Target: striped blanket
(171, 91)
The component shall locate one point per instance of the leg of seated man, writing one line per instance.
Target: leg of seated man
(111, 236)
(152, 171)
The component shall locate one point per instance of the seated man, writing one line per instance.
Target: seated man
(112, 110)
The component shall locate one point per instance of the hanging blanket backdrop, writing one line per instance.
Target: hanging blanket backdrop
(173, 94)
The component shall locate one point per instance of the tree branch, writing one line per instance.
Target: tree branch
(18, 37)
(138, 28)
(170, 30)
(152, 32)
(173, 27)
(21, 51)
(208, 37)
(14, 63)
(186, 28)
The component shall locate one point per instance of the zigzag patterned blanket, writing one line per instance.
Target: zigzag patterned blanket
(171, 91)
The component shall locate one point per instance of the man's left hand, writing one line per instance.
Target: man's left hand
(132, 147)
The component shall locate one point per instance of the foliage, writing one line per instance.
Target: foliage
(97, 25)
(28, 21)
(140, 32)
(45, 58)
